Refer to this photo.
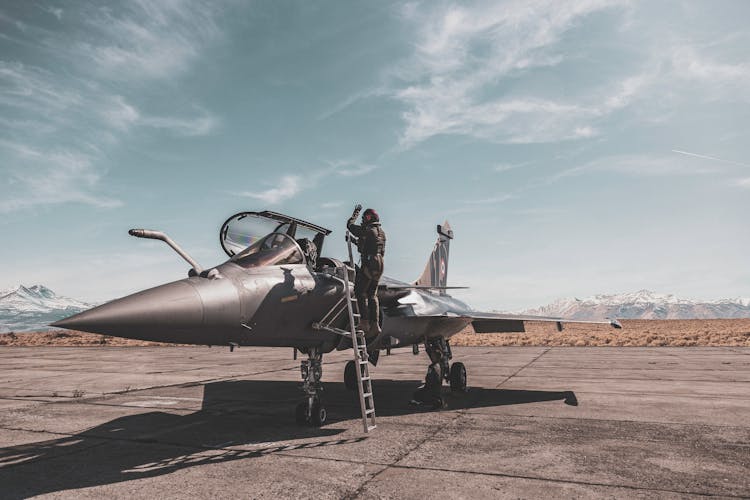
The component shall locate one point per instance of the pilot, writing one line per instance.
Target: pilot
(371, 245)
(310, 250)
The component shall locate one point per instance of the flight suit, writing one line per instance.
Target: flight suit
(371, 246)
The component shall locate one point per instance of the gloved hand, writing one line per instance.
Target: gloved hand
(357, 210)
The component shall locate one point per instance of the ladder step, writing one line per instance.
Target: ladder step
(365, 378)
(369, 411)
(371, 427)
(367, 395)
(362, 362)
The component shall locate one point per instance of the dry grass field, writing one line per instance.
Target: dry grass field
(68, 339)
(635, 333)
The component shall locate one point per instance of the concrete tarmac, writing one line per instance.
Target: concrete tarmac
(162, 422)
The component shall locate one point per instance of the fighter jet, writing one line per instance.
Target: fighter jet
(277, 290)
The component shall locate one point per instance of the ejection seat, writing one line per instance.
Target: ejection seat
(310, 252)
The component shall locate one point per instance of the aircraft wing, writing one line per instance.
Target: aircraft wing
(448, 324)
(423, 287)
(484, 322)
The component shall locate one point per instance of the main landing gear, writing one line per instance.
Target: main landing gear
(439, 351)
(311, 410)
(350, 376)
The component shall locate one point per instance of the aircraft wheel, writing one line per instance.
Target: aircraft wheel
(350, 376)
(300, 414)
(318, 414)
(458, 377)
(433, 378)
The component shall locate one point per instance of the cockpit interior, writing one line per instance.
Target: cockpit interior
(254, 239)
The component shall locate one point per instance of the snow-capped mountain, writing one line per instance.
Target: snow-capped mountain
(34, 307)
(644, 304)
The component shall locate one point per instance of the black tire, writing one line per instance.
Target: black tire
(458, 377)
(318, 414)
(300, 414)
(350, 376)
(433, 378)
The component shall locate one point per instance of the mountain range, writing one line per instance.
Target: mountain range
(644, 304)
(33, 308)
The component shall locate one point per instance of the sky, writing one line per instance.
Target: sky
(577, 148)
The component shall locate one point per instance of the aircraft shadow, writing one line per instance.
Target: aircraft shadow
(392, 398)
(237, 420)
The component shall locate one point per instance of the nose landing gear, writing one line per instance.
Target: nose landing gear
(311, 410)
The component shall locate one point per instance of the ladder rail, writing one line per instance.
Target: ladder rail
(349, 246)
(359, 347)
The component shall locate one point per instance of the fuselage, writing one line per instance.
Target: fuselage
(272, 306)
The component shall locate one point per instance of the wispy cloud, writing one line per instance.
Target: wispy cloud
(349, 168)
(87, 92)
(478, 204)
(712, 158)
(148, 39)
(504, 167)
(35, 89)
(640, 165)
(289, 186)
(492, 200)
(463, 52)
(204, 124)
(41, 177)
(55, 11)
(121, 115)
(350, 100)
(471, 71)
(689, 63)
(743, 183)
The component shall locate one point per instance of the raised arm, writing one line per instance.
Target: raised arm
(351, 226)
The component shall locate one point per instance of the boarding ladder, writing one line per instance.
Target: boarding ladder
(357, 336)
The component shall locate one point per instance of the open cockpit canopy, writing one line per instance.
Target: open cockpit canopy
(275, 249)
(268, 238)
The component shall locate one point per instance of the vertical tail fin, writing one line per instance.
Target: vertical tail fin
(436, 271)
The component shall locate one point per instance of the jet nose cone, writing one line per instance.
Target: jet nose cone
(153, 314)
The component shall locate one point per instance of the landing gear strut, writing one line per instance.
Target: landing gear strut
(311, 410)
(439, 351)
(350, 376)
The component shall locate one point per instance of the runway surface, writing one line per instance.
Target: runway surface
(536, 422)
